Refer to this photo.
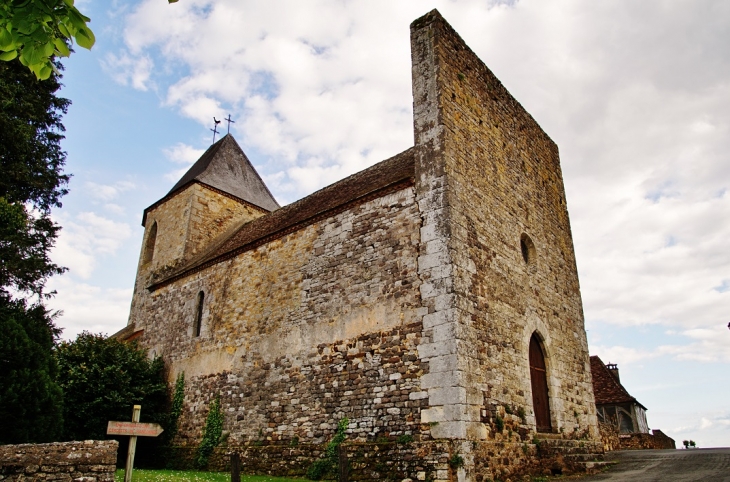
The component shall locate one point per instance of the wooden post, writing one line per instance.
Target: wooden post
(235, 467)
(342, 463)
(132, 446)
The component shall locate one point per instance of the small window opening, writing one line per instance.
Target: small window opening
(528, 249)
(149, 246)
(199, 314)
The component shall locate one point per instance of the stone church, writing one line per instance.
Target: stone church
(431, 299)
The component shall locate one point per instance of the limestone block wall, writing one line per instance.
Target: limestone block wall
(317, 325)
(87, 461)
(188, 224)
(212, 214)
(491, 176)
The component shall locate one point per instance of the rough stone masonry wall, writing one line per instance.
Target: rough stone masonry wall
(321, 324)
(637, 441)
(87, 461)
(504, 179)
(212, 214)
(186, 223)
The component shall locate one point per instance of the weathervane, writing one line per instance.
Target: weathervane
(229, 122)
(215, 128)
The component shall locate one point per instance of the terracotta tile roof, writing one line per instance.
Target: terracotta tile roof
(376, 181)
(606, 388)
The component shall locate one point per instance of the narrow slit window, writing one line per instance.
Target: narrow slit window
(149, 246)
(528, 249)
(199, 314)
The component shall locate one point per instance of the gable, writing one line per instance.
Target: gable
(606, 388)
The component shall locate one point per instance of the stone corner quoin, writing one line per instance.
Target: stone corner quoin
(434, 295)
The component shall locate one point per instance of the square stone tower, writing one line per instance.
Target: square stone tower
(496, 259)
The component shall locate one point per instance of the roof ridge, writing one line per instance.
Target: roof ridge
(358, 186)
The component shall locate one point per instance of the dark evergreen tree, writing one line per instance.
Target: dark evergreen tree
(32, 182)
(102, 378)
(30, 408)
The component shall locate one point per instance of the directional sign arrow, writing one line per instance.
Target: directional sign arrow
(135, 429)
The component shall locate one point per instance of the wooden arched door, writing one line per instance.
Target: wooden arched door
(538, 377)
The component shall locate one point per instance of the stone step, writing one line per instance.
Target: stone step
(584, 457)
(549, 442)
(592, 467)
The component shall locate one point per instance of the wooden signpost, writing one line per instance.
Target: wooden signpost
(134, 429)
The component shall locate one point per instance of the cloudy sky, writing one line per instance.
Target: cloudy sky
(636, 95)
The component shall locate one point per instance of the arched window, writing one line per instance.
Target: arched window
(528, 249)
(149, 245)
(538, 379)
(199, 314)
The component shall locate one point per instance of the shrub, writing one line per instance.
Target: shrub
(499, 423)
(211, 433)
(330, 462)
(456, 461)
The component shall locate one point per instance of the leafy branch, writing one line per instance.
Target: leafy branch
(37, 30)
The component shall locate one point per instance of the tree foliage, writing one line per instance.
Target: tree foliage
(33, 181)
(34, 31)
(30, 399)
(102, 378)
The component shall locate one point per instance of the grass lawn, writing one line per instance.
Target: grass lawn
(139, 475)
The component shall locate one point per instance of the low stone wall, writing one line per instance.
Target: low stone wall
(638, 441)
(613, 440)
(87, 461)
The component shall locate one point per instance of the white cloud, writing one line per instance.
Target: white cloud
(129, 69)
(707, 429)
(86, 307)
(84, 239)
(182, 153)
(108, 192)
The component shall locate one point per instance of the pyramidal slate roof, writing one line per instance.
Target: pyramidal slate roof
(606, 388)
(225, 167)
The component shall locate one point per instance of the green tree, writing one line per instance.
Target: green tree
(30, 399)
(34, 31)
(32, 182)
(102, 378)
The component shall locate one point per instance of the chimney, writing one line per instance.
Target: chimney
(613, 368)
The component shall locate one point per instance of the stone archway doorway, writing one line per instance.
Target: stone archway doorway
(538, 377)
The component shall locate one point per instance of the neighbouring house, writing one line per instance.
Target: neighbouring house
(431, 299)
(618, 412)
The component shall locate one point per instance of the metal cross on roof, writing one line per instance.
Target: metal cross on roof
(215, 128)
(229, 122)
